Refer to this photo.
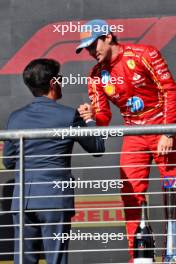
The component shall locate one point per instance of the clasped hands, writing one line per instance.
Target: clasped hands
(86, 112)
(165, 144)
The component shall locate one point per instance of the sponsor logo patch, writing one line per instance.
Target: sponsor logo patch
(136, 77)
(131, 64)
(105, 76)
(128, 53)
(109, 89)
(169, 182)
(153, 54)
(135, 104)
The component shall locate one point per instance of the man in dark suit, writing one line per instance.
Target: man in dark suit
(43, 79)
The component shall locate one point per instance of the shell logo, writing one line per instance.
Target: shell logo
(109, 89)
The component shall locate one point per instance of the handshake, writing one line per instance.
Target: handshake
(86, 112)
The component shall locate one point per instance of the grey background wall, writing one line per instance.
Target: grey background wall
(19, 22)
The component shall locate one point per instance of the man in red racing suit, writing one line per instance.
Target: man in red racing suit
(137, 80)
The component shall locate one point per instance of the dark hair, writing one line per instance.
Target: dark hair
(114, 38)
(38, 74)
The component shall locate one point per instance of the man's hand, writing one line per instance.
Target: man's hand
(165, 145)
(86, 111)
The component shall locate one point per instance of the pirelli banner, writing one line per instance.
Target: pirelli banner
(51, 29)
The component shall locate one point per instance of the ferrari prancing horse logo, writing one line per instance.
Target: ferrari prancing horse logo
(131, 64)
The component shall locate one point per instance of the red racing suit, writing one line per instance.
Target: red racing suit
(137, 81)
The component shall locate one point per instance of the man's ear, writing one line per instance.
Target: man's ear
(52, 84)
(52, 87)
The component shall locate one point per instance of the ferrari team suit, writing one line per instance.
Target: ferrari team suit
(138, 81)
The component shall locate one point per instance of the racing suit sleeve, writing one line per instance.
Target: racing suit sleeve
(99, 101)
(160, 74)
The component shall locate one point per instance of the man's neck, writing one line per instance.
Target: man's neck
(115, 51)
(49, 96)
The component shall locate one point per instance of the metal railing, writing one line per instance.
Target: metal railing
(22, 135)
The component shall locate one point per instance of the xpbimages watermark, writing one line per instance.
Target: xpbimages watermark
(73, 27)
(103, 238)
(77, 131)
(103, 185)
(85, 80)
